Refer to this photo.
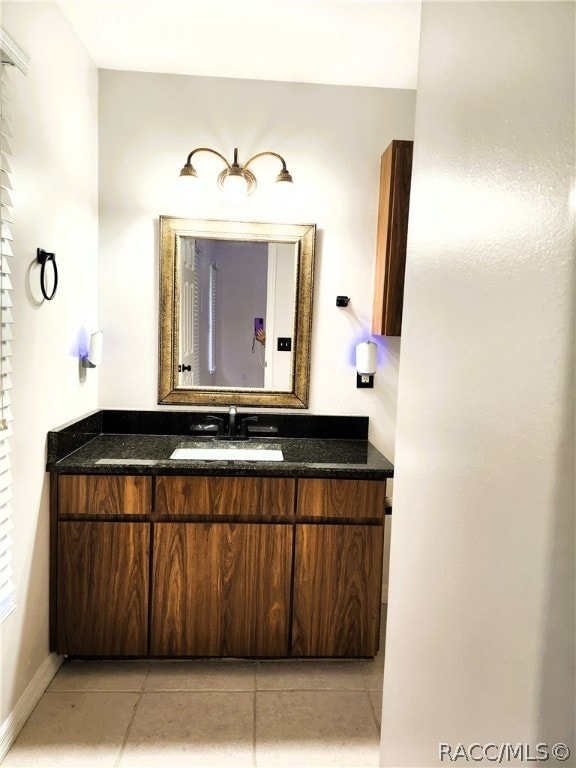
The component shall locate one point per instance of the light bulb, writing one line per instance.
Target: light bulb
(234, 188)
(284, 193)
(186, 191)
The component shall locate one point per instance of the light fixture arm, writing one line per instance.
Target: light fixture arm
(212, 151)
(261, 154)
(284, 175)
(234, 171)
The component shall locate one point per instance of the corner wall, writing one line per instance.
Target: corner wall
(481, 628)
(54, 174)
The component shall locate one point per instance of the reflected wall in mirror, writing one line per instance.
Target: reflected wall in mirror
(235, 312)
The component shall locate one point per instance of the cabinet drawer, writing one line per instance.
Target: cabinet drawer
(356, 499)
(104, 495)
(217, 496)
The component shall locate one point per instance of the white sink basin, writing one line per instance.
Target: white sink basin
(224, 453)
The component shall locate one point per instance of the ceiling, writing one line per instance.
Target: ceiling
(333, 42)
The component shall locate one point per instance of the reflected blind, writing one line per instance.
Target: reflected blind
(212, 292)
(7, 592)
(196, 320)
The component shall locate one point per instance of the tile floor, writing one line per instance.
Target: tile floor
(207, 714)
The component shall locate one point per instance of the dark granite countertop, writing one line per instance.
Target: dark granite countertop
(122, 442)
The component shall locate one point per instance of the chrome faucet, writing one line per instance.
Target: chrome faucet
(232, 421)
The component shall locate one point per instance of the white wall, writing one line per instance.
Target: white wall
(331, 137)
(55, 196)
(480, 643)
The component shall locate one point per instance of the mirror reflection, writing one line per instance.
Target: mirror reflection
(241, 285)
(235, 312)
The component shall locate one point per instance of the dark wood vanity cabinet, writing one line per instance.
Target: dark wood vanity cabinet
(216, 566)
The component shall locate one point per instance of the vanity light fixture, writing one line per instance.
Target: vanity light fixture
(236, 181)
(366, 364)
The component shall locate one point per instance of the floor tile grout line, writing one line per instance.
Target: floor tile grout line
(328, 691)
(128, 730)
(133, 717)
(199, 690)
(373, 710)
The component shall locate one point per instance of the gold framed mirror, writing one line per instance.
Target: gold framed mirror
(235, 312)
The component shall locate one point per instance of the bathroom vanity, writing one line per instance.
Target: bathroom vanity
(154, 556)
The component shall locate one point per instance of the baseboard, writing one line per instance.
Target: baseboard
(12, 726)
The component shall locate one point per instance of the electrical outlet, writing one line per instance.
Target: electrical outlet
(364, 381)
(284, 344)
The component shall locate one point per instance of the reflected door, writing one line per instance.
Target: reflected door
(188, 365)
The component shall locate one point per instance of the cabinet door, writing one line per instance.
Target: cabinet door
(337, 586)
(221, 589)
(102, 593)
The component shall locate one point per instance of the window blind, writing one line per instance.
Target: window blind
(7, 597)
(11, 58)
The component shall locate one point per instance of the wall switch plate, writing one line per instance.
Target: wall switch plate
(284, 344)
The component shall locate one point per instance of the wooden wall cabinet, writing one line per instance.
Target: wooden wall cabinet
(216, 566)
(393, 207)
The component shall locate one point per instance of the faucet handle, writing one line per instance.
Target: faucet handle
(244, 425)
(208, 425)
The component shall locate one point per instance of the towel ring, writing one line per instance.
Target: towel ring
(42, 257)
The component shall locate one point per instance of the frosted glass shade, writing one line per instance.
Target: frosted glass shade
(366, 358)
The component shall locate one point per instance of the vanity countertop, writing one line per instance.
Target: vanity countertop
(140, 443)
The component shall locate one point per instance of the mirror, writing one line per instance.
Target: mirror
(235, 312)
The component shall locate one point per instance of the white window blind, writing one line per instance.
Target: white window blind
(11, 57)
(7, 598)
